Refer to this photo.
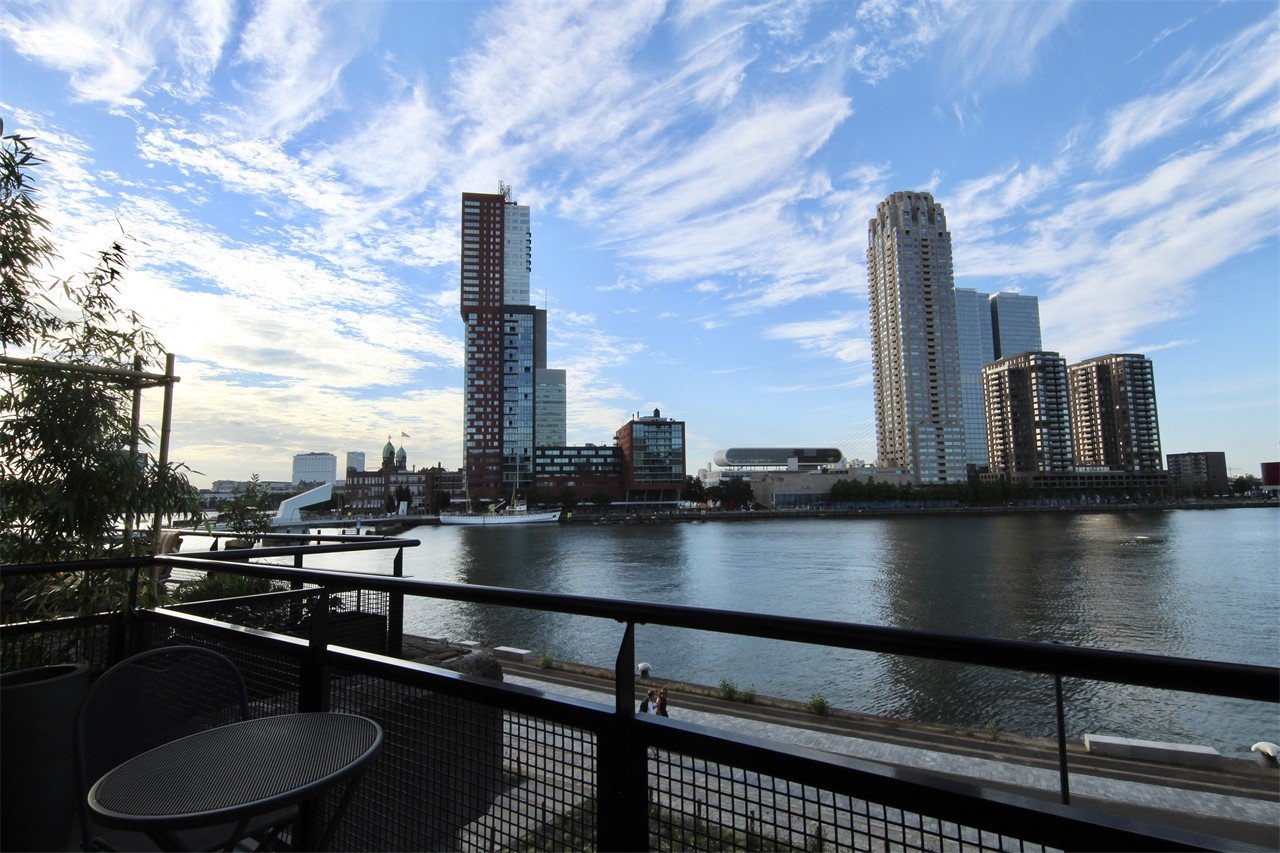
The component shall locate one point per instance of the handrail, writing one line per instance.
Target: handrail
(289, 537)
(347, 543)
(1242, 681)
(17, 569)
(289, 551)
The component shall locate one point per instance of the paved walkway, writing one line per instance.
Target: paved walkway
(1246, 809)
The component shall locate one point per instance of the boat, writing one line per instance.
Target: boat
(512, 517)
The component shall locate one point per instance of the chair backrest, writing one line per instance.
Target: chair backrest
(150, 699)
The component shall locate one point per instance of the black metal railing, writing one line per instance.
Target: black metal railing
(470, 763)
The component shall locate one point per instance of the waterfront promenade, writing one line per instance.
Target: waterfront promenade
(1240, 802)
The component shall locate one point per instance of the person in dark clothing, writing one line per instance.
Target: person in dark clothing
(648, 703)
(662, 703)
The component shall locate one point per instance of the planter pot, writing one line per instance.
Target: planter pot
(38, 775)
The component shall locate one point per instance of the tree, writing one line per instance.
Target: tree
(246, 514)
(601, 498)
(1245, 483)
(568, 498)
(736, 494)
(78, 477)
(439, 501)
(694, 490)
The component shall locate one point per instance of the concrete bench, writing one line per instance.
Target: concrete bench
(1185, 754)
(510, 653)
(470, 644)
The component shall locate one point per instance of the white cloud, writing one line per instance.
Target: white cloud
(842, 338)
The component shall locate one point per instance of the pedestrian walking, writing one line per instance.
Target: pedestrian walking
(648, 702)
(662, 703)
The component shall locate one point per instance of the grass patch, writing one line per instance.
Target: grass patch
(817, 704)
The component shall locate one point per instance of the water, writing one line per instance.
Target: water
(1198, 584)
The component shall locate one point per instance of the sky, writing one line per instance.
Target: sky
(700, 176)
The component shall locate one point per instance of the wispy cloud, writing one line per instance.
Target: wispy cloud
(1237, 75)
(1001, 40)
(298, 51)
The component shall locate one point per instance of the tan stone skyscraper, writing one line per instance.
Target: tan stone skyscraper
(915, 354)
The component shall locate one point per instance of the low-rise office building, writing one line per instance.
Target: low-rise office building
(589, 470)
(318, 469)
(806, 489)
(1199, 473)
(652, 458)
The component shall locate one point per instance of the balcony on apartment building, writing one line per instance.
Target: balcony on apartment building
(470, 762)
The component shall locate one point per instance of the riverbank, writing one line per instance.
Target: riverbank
(1237, 800)
(683, 516)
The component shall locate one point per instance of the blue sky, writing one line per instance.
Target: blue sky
(700, 177)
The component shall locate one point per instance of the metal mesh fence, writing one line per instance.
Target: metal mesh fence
(90, 641)
(456, 774)
(697, 804)
(357, 617)
(271, 679)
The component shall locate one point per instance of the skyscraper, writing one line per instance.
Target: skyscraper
(989, 326)
(505, 344)
(915, 352)
(1028, 416)
(1114, 423)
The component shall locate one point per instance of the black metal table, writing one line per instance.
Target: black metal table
(234, 773)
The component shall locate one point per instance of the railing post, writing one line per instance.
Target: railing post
(129, 623)
(313, 693)
(1063, 780)
(622, 802)
(395, 611)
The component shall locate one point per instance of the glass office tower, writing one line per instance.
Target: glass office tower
(977, 349)
(988, 327)
(1015, 324)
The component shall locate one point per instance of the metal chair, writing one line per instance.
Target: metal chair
(150, 699)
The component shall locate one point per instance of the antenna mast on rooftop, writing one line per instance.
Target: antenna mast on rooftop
(504, 189)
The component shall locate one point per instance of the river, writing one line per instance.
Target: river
(1200, 584)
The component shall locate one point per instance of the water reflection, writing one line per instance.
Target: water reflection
(1182, 583)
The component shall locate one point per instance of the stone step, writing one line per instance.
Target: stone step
(1185, 754)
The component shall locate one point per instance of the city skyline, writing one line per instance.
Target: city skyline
(699, 177)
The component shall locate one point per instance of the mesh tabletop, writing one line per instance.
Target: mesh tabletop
(235, 770)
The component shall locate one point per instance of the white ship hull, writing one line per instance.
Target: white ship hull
(486, 518)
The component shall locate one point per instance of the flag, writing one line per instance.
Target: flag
(404, 434)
